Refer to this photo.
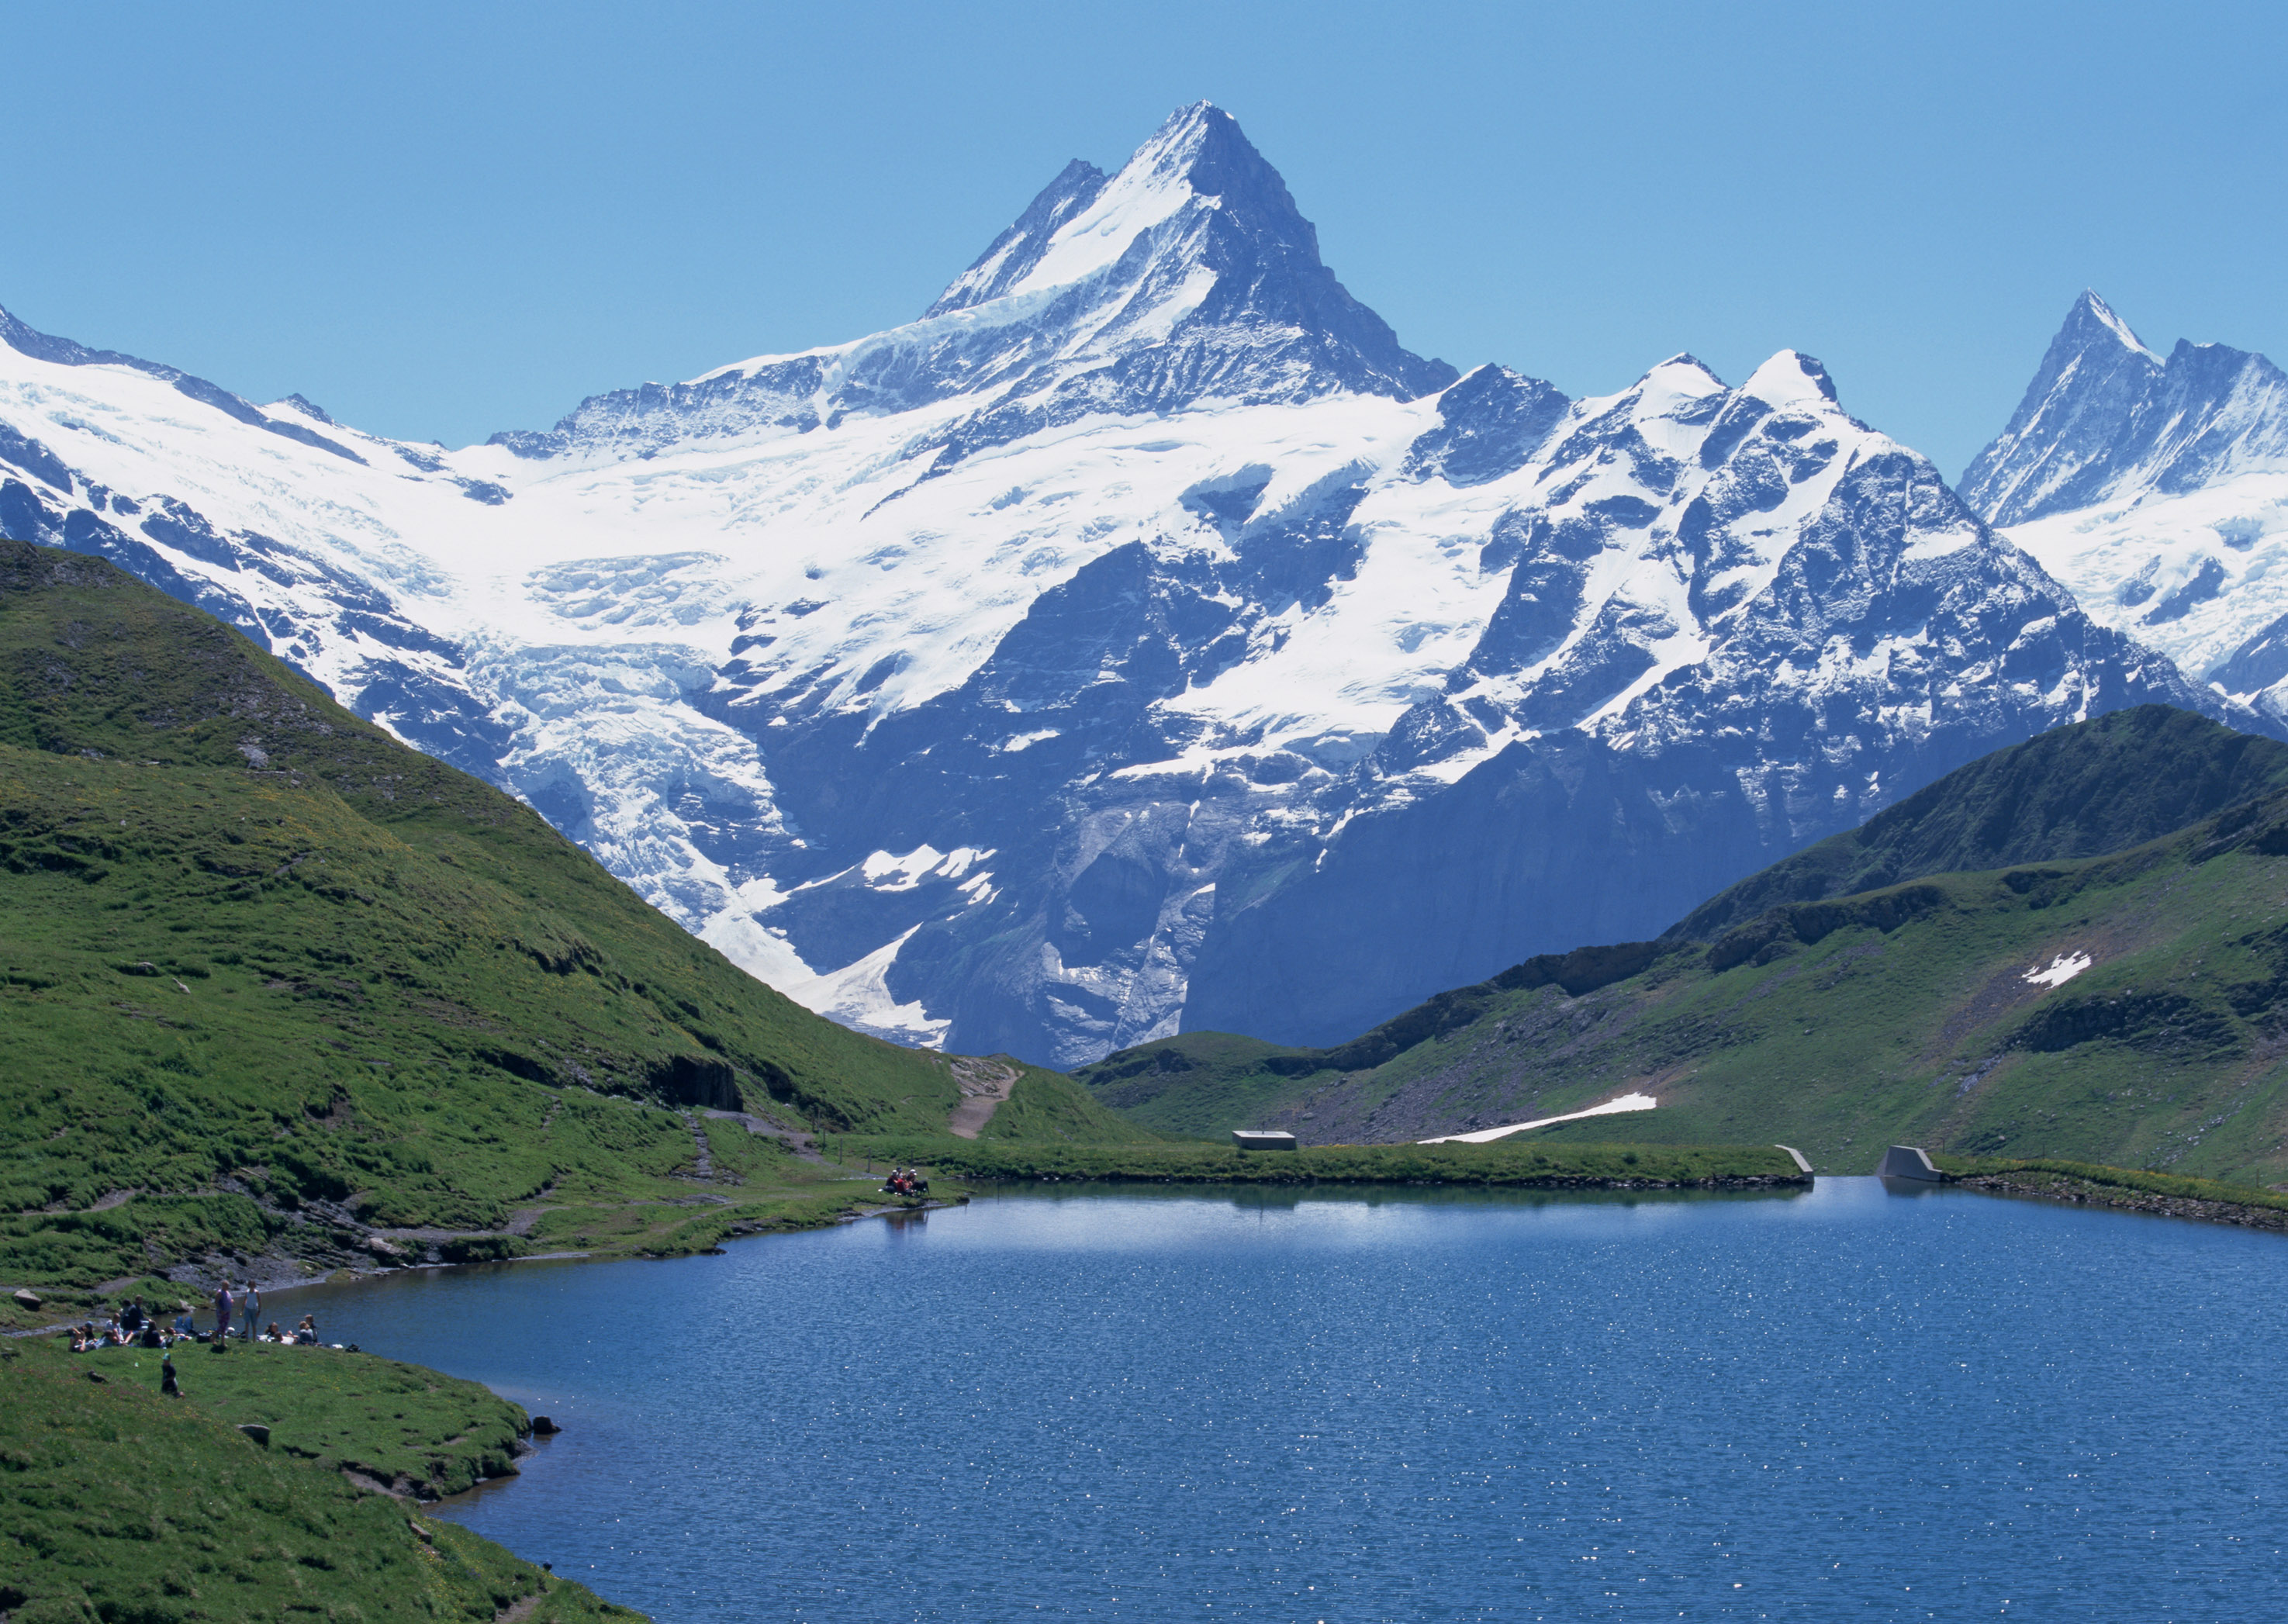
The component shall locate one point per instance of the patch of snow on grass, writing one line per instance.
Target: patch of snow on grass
(1611, 1107)
(2062, 969)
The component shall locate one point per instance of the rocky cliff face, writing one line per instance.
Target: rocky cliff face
(1142, 638)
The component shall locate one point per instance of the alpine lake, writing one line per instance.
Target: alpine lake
(1862, 1401)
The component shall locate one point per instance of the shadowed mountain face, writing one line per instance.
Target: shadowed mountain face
(1141, 639)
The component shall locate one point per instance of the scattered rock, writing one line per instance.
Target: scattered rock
(256, 1430)
(541, 1427)
(99, 1378)
(26, 1298)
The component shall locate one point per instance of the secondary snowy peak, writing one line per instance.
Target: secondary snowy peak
(1664, 548)
(2158, 491)
(1185, 279)
(2107, 420)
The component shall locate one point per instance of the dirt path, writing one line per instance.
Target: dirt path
(984, 1084)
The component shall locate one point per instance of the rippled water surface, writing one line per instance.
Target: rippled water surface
(1846, 1404)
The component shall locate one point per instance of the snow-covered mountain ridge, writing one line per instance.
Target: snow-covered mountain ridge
(1142, 637)
(2157, 488)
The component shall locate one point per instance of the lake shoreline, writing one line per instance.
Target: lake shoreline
(2070, 1190)
(1506, 1165)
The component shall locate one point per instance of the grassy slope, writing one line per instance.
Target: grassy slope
(1903, 1014)
(256, 958)
(117, 1503)
(2101, 786)
(1046, 1106)
(1203, 1083)
(427, 1434)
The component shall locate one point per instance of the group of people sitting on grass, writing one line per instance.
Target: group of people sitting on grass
(137, 1327)
(906, 1181)
(134, 1328)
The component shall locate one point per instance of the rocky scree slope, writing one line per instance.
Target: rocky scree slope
(269, 980)
(2125, 1009)
(1141, 641)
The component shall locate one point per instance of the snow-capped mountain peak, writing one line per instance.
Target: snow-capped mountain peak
(2157, 490)
(1186, 277)
(1084, 223)
(1792, 378)
(2107, 419)
(2091, 309)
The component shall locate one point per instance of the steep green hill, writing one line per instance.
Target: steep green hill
(1840, 1025)
(270, 981)
(2101, 786)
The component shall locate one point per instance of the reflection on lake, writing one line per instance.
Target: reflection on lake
(1406, 1406)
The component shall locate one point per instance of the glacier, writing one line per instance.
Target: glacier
(1142, 640)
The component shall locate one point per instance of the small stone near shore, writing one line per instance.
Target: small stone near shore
(541, 1427)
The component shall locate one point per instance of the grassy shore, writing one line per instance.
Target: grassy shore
(1633, 1166)
(118, 1503)
(2130, 1189)
(654, 1219)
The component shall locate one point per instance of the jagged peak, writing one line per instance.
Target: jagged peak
(1187, 274)
(1084, 221)
(2092, 319)
(2105, 414)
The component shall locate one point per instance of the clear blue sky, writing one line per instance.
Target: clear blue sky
(440, 220)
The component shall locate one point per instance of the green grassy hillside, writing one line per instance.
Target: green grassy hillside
(1839, 1025)
(270, 981)
(118, 1503)
(2106, 785)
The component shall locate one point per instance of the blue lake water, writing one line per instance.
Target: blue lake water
(1849, 1404)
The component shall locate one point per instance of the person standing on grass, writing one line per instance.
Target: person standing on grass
(222, 1313)
(253, 1307)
